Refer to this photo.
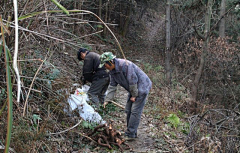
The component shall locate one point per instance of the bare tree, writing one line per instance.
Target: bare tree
(168, 42)
(106, 17)
(205, 37)
(222, 22)
(100, 10)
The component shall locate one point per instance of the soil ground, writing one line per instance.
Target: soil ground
(144, 142)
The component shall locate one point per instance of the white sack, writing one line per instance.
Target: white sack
(79, 100)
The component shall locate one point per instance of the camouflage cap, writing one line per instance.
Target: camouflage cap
(107, 56)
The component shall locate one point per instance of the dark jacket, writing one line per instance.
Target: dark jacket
(90, 68)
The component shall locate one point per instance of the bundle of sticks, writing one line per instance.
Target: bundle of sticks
(105, 135)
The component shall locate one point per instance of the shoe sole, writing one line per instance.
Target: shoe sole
(130, 139)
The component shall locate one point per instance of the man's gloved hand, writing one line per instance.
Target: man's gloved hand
(83, 80)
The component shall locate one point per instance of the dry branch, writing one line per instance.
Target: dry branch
(67, 129)
(25, 105)
(221, 124)
(114, 104)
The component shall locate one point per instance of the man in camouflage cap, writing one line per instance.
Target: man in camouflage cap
(108, 56)
(135, 81)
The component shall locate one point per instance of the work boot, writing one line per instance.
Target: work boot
(128, 133)
(129, 138)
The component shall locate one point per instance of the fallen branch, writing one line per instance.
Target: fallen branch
(114, 104)
(85, 136)
(67, 129)
(30, 88)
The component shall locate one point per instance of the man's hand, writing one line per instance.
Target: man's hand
(105, 104)
(133, 99)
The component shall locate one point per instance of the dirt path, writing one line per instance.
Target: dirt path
(144, 142)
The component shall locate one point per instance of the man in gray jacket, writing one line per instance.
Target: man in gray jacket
(98, 77)
(135, 81)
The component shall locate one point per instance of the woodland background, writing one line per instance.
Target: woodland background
(189, 49)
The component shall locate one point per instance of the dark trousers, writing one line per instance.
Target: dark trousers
(134, 111)
(97, 90)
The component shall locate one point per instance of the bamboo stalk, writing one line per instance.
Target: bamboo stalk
(9, 92)
(16, 50)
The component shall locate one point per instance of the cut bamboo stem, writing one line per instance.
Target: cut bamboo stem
(117, 104)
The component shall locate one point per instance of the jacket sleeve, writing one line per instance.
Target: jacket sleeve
(132, 79)
(110, 93)
(112, 88)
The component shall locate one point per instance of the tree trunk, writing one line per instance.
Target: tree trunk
(121, 16)
(204, 53)
(222, 22)
(125, 27)
(168, 42)
(100, 11)
(106, 19)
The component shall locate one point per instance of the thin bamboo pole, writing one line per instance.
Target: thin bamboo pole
(16, 50)
(9, 92)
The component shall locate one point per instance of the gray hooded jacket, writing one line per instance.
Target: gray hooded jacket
(130, 77)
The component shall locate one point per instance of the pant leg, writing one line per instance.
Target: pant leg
(134, 111)
(128, 108)
(102, 94)
(96, 89)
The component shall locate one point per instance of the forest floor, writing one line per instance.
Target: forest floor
(145, 141)
(150, 137)
(155, 134)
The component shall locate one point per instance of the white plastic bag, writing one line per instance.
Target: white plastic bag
(79, 100)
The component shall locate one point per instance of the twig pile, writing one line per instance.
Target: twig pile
(105, 135)
(221, 127)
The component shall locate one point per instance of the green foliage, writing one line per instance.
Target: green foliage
(41, 12)
(3, 94)
(155, 73)
(158, 116)
(23, 135)
(180, 114)
(108, 109)
(185, 128)
(88, 125)
(99, 26)
(53, 74)
(3, 107)
(171, 134)
(35, 118)
(60, 6)
(147, 67)
(174, 120)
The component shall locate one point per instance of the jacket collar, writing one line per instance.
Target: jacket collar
(116, 70)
